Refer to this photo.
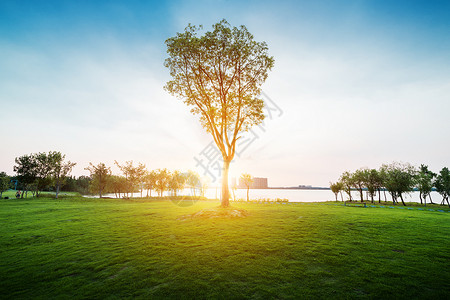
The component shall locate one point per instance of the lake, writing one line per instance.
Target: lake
(294, 195)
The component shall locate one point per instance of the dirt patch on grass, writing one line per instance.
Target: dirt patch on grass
(216, 212)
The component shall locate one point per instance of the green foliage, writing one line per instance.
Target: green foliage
(163, 177)
(59, 169)
(219, 76)
(247, 180)
(79, 185)
(358, 180)
(117, 185)
(4, 183)
(372, 181)
(100, 174)
(134, 175)
(424, 180)
(336, 188)
(177, 182)
(347, 183)
(79, 248)
(150, 181)
(398, 179)
(442, 184)
(38, 171)
(25, 167)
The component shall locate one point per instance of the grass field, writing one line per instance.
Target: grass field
(102, 248)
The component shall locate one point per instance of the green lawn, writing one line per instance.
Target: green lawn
(102, 248)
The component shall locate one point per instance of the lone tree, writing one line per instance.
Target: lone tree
(336, 188)
(219, 75)
(247, 180)
(60, 169)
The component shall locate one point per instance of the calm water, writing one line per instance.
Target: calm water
(295, 195)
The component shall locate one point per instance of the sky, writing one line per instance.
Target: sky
(355, 84)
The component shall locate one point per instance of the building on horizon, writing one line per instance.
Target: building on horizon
(258, 183)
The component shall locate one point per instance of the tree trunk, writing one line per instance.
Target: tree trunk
(335, 195)
(57, 190)
(361, 194)
(342, 198)
(420, 197)
(401, 197)
(225, 191)
(431, 200)
(393, 197)
(248, 188)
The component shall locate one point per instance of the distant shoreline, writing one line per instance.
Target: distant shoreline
(290, 188)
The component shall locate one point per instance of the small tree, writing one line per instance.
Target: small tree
(424, 179)
(399, 178)
(193, 181)
(44, 169)
(372, 181)
(358, 180)
(4, 183)
(60, 169)
(134, 175)
(442, 184)
(162, 181)
(100, 175)
(247, 180)
(177, 182)
(219, 75)
(150, 180)
(25, 168)
(336, 188)
(117, 185)
(347, 183)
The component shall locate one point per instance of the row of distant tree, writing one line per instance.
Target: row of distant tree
(50, 171)
(37, 172)
(396, 178)
(137, 178)
(42, 171)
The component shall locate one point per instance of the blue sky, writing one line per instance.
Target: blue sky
(360, 83)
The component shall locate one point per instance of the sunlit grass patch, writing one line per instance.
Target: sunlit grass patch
(97, 248)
